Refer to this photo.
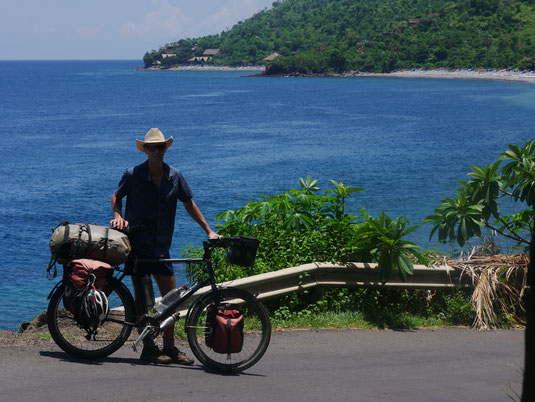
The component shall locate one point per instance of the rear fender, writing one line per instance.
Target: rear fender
(54, 289)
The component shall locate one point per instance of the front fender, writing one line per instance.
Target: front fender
(209, 294)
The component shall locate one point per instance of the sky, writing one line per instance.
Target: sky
(110, 29)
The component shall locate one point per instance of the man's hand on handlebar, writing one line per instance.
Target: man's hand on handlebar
(213, 235)
(119, 223)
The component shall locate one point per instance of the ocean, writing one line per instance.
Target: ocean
(68, 131)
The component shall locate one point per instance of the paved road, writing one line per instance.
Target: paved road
(443, 365)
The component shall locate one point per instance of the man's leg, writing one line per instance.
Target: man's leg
(166, 283)
(150, 352)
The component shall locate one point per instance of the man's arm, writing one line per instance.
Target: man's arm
(197, 216)
(117, 207)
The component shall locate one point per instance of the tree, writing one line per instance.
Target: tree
(148, 59)
(476, 206)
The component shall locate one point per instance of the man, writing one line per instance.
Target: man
(152, 190)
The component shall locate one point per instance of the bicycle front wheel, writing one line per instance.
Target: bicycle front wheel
(110, 336)
(257, 330)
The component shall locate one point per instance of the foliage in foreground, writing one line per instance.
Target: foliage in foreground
(303, 226)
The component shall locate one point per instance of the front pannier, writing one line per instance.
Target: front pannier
(72, 241)
(224, 333)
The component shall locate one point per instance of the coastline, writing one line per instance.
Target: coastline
(463, 74)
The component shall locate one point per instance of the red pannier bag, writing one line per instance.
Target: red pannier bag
(76, 277)
(82, 267)
(225, 330)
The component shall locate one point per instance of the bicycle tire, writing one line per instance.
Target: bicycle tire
(111, 334)
(257, 333)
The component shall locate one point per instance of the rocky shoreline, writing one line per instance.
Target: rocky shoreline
(30, 333)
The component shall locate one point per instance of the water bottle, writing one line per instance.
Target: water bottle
(169, 299)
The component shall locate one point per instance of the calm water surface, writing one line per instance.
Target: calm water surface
(68, 131)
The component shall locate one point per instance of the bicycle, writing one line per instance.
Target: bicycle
(116, 328)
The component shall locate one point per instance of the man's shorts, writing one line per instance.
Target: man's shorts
(152, 268)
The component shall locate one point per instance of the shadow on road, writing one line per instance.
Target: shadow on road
(98, 362)
(62, 356)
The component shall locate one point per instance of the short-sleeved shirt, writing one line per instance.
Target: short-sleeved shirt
(152, 207)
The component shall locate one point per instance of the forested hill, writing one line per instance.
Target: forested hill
(319, 36)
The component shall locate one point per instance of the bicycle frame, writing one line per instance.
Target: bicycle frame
(167, 316)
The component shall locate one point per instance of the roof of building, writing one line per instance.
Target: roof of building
(272, 56)
(198, 58)
(210, 52)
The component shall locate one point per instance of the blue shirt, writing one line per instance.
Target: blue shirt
(152, 207)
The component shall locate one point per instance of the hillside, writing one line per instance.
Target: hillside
(318, 36)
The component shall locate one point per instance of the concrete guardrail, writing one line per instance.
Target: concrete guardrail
(327, 275)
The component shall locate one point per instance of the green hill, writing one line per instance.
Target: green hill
(319, 36)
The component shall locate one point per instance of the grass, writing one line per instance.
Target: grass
(42, 335)
(343, 320)
(355, 320)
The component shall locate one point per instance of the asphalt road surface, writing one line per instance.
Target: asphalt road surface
(453, 364)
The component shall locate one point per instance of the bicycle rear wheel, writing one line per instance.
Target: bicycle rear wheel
(110, 336)
(257, 330)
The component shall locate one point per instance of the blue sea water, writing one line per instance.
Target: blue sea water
(68, 131)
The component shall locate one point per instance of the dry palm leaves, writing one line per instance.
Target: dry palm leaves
(499, 285)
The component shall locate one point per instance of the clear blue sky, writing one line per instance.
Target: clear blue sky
(110, 29)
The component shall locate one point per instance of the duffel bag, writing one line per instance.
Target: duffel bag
(82, 240)
(224, 329)
(77, 275)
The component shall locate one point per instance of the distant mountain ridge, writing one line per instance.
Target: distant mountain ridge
(322, 36)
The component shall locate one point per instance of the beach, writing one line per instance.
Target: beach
(501, 75)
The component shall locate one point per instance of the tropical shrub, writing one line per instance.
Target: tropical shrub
(303, 225)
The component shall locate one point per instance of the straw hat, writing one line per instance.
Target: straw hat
(154, 136)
